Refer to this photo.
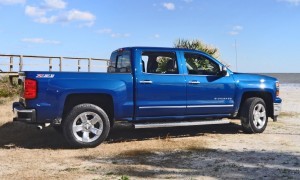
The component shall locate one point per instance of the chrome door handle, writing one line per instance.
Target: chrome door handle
(146, 82)
(194, 82)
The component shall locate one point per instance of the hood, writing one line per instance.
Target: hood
(252, 77)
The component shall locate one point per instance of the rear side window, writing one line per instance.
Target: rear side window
(120, 62)
(159, 62)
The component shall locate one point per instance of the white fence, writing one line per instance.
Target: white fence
(15, 63)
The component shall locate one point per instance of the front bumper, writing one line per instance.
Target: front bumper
(22, 114)
(277, 109)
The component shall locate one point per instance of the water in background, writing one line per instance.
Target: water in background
(285, 78)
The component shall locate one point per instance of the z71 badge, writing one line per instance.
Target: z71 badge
(45, 75)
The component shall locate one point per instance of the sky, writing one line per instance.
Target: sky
(260, 35)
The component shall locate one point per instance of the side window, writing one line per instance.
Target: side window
(200, 65)
(120, 63)
(159, 62)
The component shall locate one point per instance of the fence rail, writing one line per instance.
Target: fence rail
(20, 59)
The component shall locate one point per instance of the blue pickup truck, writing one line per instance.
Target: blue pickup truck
(150, 88)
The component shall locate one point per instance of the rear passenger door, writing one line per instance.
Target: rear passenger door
(160, 86)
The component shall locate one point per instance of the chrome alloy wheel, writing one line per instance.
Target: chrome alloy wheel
(87, 127)
(259, 116)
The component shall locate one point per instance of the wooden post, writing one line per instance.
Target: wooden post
(89, 65)
(50, 64)
(21, 63)
(11, 63)
(78, 66)
(60, 64)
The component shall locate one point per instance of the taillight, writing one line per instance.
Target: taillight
(277, 88)
(30, 89)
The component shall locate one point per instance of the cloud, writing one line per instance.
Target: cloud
(44, 8)
(86, 18)
(233, 33)
(119, 35)
(169, 6)
(235, 30)
(39, 41)
(46, 20)
(12, 2)
(156, 36)
(55, 4)
(105, 31)
(50, 11)
(34, 11)
(293, 2)
(76, 15)
(112, 34)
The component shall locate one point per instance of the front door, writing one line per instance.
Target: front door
(208, 92)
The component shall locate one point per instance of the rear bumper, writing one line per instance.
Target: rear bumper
(22, 114)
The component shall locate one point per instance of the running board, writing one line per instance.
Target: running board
(178, 124)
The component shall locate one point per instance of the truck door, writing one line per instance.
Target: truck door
(208, 91)
(160, 87)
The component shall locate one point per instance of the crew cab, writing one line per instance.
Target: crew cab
(148, 87)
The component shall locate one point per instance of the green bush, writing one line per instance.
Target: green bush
(7, 89)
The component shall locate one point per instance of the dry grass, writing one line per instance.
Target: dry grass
(164, 146)
(6, 114)
(7, 89)
(289, 114)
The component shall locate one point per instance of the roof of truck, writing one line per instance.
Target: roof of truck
(159, 48)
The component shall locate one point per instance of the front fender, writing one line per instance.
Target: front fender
(257, 88)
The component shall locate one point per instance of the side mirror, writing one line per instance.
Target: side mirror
(224, 71)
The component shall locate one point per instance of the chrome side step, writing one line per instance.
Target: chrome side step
(178, 124)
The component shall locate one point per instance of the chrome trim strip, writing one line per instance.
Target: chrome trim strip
(194, 82)
(201, 106)
(180, 123)
(160, 107)
(24, 111)
(190, 106)
(146, 82)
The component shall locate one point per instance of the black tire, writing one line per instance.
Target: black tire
(254, 117)
(91, 123)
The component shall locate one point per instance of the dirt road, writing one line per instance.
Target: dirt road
(204, 152)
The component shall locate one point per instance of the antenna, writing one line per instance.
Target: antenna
(236, 57)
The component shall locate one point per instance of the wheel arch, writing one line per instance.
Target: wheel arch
(104, 101)
(266, 96)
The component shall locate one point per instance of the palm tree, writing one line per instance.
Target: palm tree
(197, 45)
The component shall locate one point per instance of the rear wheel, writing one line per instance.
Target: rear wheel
(87, 125)
(254, 117)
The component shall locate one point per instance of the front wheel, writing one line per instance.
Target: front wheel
(254, 117)
(87, 125)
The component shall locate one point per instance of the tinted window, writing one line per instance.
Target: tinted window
(120, 62)
(200, 65)
(159, 62)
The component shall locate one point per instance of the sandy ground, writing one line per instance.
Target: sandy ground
(203, 152)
